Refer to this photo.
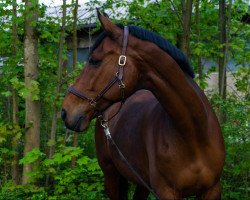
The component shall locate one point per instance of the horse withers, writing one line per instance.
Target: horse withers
(166, 129)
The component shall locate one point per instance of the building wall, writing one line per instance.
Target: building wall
(213, 82)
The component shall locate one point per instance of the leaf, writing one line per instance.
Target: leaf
(83, 161)
(6, 94)
(58, 158)
(2, 139)
(32, 156)
(197, 51)
(48, 162)
(52, 170)
(51, 143)
(16, 83)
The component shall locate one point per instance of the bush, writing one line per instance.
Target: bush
(83, 181)
(236, 129)
(28, 192)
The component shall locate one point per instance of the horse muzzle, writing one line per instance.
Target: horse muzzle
(77, 123)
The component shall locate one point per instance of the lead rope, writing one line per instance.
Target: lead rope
(104, 124)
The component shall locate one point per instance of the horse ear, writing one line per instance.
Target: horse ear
(111, 29)
(105, 14)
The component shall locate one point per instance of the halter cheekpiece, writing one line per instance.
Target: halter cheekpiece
(117, 79)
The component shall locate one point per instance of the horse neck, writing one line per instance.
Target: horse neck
(176, 92)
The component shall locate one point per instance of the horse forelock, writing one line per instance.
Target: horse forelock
(161, 42)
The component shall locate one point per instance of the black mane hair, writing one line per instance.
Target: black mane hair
(161, 42)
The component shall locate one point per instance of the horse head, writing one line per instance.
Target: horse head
(109, 76)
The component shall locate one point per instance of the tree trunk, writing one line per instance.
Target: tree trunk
(186, 19)
(75, 142)
(197, 22)
(223, 41)
(8, 107)
(14, 165)
(32, 107)
(52, 141)
(59, 80)
(224, 28)
(15, 141)
(74, 38)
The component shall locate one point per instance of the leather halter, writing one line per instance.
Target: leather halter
(118, 77)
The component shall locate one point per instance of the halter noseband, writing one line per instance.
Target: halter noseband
(118, 76)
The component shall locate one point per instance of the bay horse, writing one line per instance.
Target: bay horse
(166, 129)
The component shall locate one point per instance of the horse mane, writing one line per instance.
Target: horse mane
(161, 42)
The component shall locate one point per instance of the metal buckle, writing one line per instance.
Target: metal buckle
(121, 85)
(104, 123)
(92, 102)
(122, 60)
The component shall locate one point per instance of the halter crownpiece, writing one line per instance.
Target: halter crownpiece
(118, 76)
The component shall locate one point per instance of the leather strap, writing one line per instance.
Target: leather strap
(123, 52)
(125, 40)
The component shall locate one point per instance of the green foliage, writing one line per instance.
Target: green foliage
(8, 134)
(9, 130)
(23, 91)
(29, 192)
(31, 156)
(236, 129)
(84, 181)
(242, 83)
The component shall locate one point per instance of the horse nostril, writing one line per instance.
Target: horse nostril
(63, 114)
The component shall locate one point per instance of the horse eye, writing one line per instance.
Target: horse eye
(93, 61)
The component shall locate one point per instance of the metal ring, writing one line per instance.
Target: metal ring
(122, 60)
(121, 85)
(104, 123)
(92, 102)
